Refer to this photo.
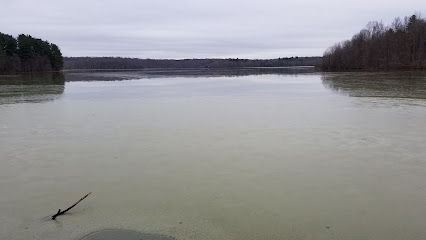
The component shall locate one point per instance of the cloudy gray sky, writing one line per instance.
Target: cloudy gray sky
(196, 28)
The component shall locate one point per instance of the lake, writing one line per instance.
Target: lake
(284, 153)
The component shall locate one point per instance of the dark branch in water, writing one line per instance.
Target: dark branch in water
(59, 211)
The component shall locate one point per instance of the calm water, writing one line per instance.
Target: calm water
(247, 154)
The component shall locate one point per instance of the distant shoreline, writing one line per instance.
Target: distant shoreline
(160, 68)
(208, 63)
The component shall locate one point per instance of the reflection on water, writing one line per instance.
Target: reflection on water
(32, 88)
(271, 156)
(114, 75)
(373, 84)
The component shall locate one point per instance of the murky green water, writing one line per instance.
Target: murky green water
(202, 154)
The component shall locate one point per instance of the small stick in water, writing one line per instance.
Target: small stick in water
(59, 211)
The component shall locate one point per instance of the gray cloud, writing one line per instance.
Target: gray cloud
(196, 28)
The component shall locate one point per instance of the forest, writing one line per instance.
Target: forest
(136, 63)
(400, 46)
(26, 54)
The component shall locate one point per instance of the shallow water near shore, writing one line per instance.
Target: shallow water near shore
(204, 154)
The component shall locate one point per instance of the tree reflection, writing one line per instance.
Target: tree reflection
(33, 88)
(117, 75)
(377, 84)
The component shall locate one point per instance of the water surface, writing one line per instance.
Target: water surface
(202, 154)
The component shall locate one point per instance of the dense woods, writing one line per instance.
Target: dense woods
(402, 45)
(135, 63)
(26, 54)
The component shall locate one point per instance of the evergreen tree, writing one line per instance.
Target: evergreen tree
(28, 54)
(25, 48)
(8, 44)
(56, 57)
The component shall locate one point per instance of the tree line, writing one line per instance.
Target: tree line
(136, 63)
(402, 45)
(26, 54)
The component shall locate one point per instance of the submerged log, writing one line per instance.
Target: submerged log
(66, 210)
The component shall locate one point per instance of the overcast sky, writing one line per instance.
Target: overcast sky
(197, 28)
